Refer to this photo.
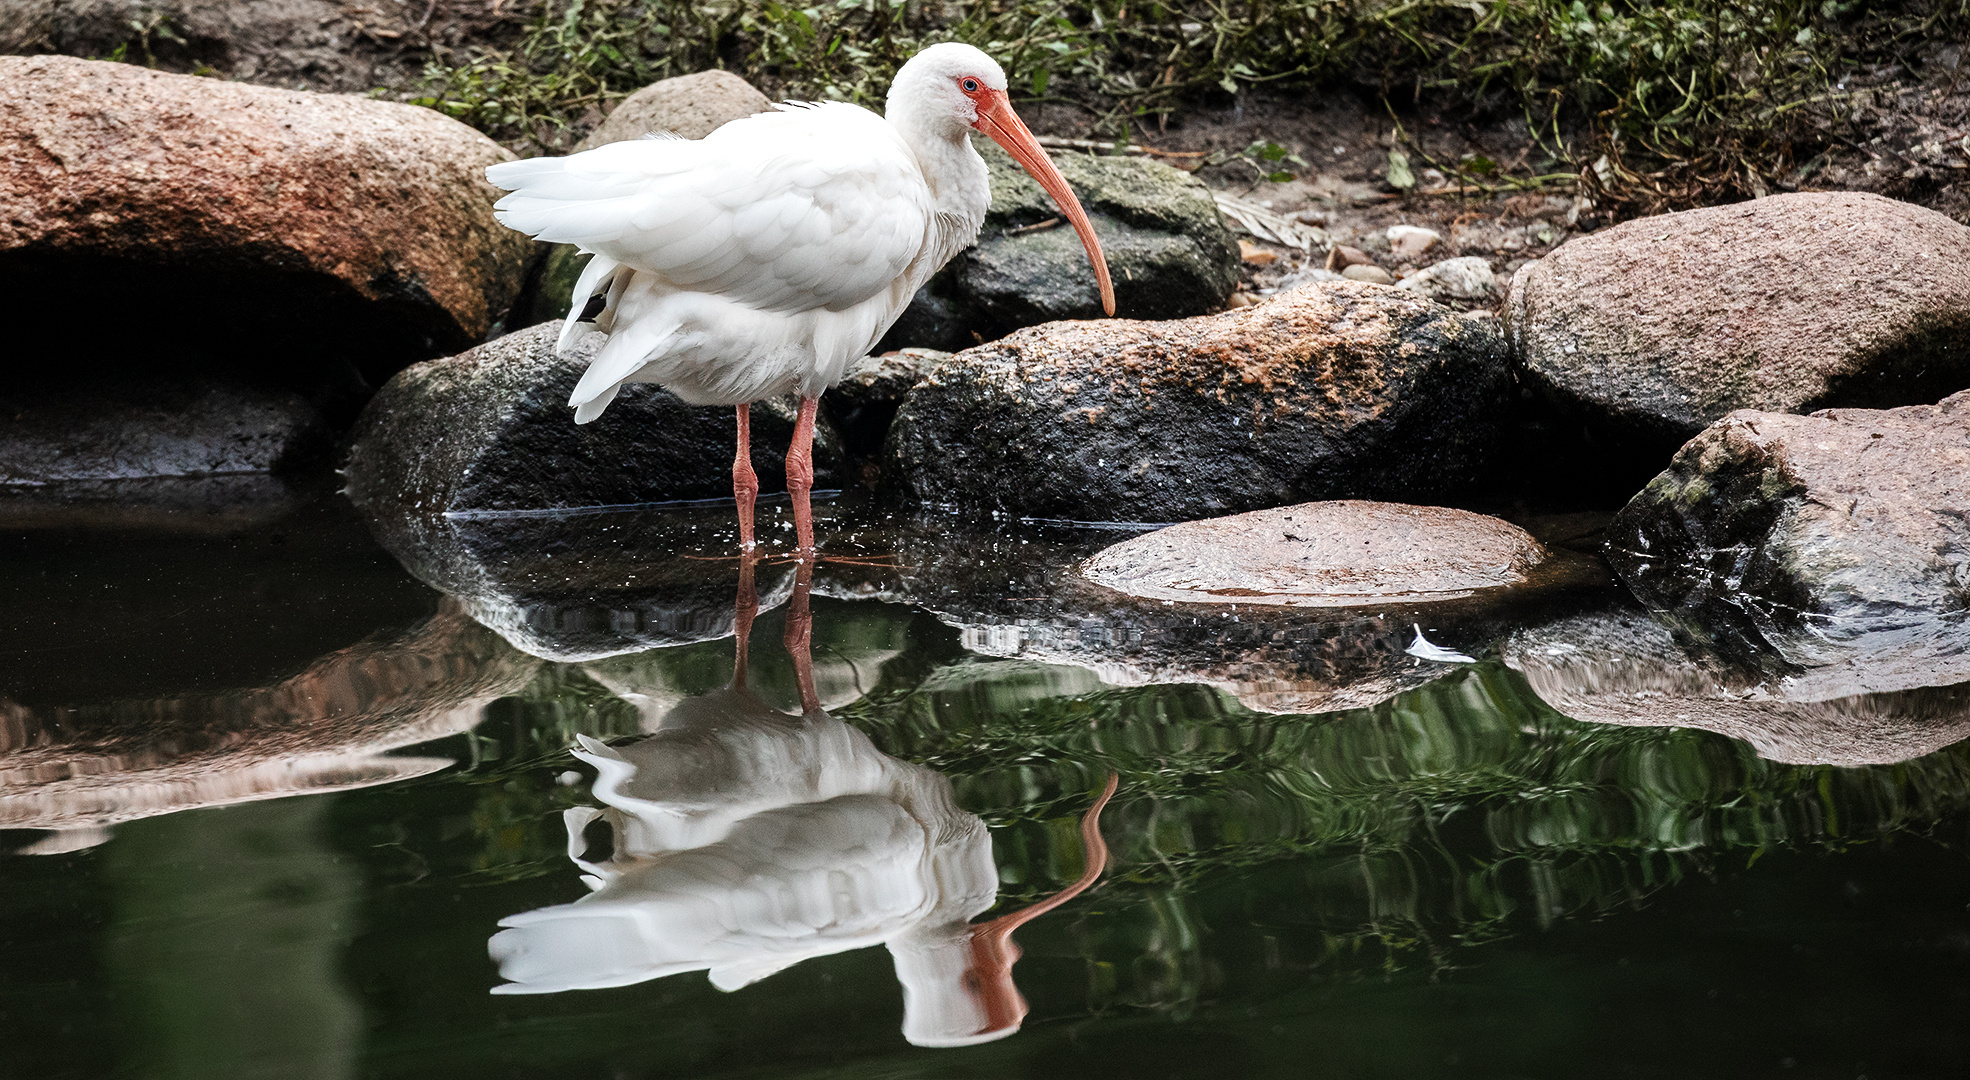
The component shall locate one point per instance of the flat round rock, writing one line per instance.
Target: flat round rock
(1344, 553)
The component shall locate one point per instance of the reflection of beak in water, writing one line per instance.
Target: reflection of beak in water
(748, 840)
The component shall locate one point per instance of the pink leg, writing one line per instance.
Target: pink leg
(743, 613)
(800, 635)
(800, 473)
(745, 485)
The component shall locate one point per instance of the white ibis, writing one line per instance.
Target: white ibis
(766, 257)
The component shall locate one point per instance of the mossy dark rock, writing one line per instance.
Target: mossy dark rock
(1340, 390)
(1166, 244)
(1833, 550)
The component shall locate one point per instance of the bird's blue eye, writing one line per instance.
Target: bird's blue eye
(971, 86)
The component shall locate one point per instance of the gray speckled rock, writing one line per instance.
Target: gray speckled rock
(1655, 328)
(1336, 390)
(1836, 544)
(133, 429)
(490, 430)
(1167, 249)
(1345, 553)
(864, 402)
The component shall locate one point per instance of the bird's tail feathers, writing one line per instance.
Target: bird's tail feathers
(627, 350)
(594, 278)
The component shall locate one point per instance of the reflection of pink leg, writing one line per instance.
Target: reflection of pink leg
(745, 485)
(743, 613)
(993, 951)
(800, 635)
(800, 473)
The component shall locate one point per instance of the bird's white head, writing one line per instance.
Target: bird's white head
(951, 89)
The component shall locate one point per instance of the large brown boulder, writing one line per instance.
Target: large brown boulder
(1339, 390)
(1833, 549)
(282, 222)
(1652, 330)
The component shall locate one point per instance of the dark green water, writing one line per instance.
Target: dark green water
(1457, 881)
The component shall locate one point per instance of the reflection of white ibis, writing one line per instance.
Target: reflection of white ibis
(748, 840)
(768, 256)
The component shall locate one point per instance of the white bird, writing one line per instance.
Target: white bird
(766, 257)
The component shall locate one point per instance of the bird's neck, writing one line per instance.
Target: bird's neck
(957, 179)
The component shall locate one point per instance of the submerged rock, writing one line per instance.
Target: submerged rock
(1657, 327)
(313, 227)
(1838, 543)
(1619, 666)
(1334, 390)
(1324, 554)
(1166, 244)
(490, 431)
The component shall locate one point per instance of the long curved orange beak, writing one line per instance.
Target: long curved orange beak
(996, 119)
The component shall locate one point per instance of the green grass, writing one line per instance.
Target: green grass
(1655, 103)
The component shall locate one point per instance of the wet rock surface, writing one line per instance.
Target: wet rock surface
(330, 230)
(1334, 390)
(1616, 665)
(1838, 543)
(1166, 244)
(1345, 553)
(130, 430)
(1655, 328)
(490, 430)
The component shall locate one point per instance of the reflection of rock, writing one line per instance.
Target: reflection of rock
(1839, 542)
(1330, 391)
(1324, 554)
(1021, 594)
(490, 430)
(1660, 326)
(84, 767)
(332, 226)
(578, 587)
(133, 429)
(1619, 666)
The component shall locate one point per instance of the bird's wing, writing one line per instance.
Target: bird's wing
(817, 206)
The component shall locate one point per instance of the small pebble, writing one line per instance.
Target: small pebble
(1368, 272)
(1256, 255)
(1407, 241)
(1340, 255)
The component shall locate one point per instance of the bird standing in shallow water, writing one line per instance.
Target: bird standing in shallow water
(766, 257)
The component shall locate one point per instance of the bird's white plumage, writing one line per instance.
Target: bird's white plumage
(759, 260)
(766, 257)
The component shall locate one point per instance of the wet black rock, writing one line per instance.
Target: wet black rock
(490, 431)
(1835, 545)
(1166, 244)
(1336, 390)
(864, 402)
(1617, 665)
(134, 429)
